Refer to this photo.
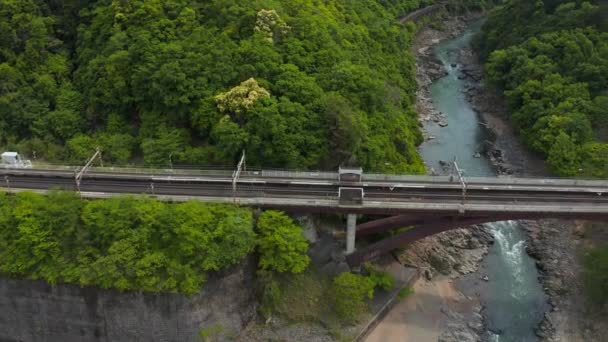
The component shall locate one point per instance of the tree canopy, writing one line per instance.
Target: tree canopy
(281, 243)
(123, 243)
(297, 83)
(551, 58)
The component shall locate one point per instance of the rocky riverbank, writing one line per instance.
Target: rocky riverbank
(501, 146)
(444, 257)
(555, 244)
(558, 245)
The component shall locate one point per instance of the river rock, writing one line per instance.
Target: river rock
(477, 326)
(473, 243)
(338, 255)
(321, 252)
(307, 222)
(428, 274)
(334, 268)
(458, 332)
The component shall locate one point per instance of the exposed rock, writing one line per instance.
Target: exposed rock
(571, 319)
(338, 255)
(428, 274)
(334, 268)
(309, 226)
(450, 253)
(321, 252)
(36, 311)
(477, 326)
(458, 333)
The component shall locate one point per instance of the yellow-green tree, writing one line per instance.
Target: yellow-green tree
(281, 244)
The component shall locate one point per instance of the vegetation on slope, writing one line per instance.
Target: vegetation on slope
(131, 243)
(551, 58)
(316, 297)
(123, 243)
(595, 274)
(319, 83)
(281, 244)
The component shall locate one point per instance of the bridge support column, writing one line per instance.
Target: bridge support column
(351, 231)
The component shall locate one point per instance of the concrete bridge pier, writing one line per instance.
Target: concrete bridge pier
(351, 231)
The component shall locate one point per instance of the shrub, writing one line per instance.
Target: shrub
(270, 292)
(381, 279)
(350, 292)
(281, 244)
(405, 292)
(595, 273)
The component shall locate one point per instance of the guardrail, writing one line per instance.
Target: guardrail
(332, 176)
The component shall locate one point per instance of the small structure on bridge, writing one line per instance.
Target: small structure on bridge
(350, 174)
(351, 196)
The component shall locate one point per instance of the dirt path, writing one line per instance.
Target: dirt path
(416, 318)
(420, 317)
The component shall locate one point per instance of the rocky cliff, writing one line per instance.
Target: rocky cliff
(35, 311)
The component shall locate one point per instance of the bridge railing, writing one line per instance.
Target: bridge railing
(224, 171)
(488, 180)
(201, 171)
(293, 174)
(537, 181)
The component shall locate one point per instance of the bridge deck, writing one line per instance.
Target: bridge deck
(318, 191)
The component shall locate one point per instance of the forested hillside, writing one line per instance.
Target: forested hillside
(122, 243)
(551, 58)
(297, 83)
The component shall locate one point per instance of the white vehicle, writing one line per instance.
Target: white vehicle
(13, 160)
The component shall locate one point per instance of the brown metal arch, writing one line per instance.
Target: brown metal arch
(439, 225)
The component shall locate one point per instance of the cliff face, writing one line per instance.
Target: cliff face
(36, 311)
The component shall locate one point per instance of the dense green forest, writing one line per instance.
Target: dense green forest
(298, 83)
(129, 243)
(551, 58)
(123, 243)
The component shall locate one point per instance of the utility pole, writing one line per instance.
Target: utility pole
(79, 174)
(236, 174)
(463, 183)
